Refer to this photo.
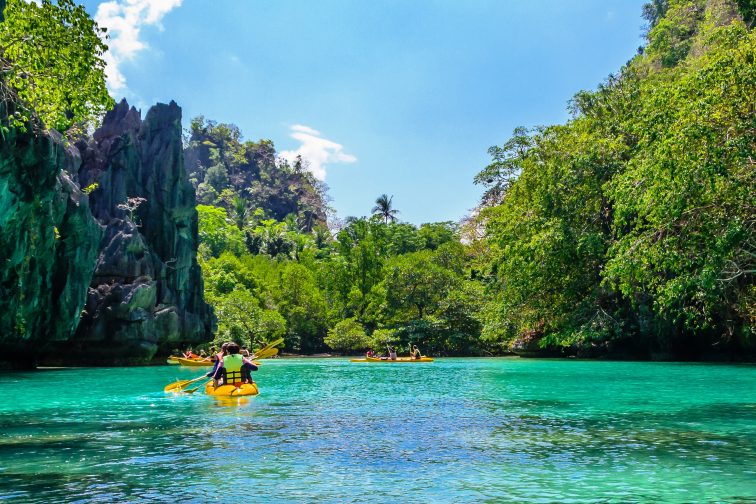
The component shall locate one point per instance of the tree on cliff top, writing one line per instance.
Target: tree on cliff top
(383, 207)
(51, 56)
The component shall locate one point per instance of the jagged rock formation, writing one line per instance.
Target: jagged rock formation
(48, 244)
(146, 294)
(108, 278)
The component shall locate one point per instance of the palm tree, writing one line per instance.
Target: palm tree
(241, 212)
(383, 208)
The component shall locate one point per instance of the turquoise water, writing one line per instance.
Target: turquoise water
(456, 430)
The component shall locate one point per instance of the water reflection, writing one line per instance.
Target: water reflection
(464, 430)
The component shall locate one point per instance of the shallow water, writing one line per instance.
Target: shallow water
(456, 430)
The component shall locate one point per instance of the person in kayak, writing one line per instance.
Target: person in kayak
(191, 355)
(217, 360)
(415, 352)
(235, 369)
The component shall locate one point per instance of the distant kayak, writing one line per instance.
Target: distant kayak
(245, 389)
(393, 361)
(193, 362)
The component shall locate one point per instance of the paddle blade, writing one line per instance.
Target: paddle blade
(270, 353)
(269, 345)
(177, 385)
(264, 354)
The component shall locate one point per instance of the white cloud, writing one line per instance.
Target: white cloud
(124, 20)
(316, 150)
(301, 128)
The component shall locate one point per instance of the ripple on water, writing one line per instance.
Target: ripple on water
(462, 430)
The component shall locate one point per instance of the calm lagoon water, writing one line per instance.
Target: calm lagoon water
(456, 430)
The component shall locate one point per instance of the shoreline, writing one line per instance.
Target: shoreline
(6, 367)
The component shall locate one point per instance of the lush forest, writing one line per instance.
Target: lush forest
(627, 231)
(631, 227)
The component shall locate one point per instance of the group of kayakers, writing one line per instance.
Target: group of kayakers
(391, 353)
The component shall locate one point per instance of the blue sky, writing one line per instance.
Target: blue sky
(395, 97)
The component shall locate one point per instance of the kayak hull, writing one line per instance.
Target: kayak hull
(245, 389)
(390, 361)
(193, 363)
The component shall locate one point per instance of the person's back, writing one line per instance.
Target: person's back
(392, 354)
(235, 369)
(232, 364)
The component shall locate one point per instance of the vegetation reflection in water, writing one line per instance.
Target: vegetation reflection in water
(456, 430)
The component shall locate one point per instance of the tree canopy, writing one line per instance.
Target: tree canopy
(632, 226)
(51, 59)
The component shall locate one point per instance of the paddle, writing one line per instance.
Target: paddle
(268, 346)
(266, 351)
(182, 383)
(266, 354)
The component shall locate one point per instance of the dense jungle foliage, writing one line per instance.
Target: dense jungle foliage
(51, 65)
(632, 226)
(628, 230)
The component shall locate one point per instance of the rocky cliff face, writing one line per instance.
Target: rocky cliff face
(109, 278)
(48, 244)
(146, 294)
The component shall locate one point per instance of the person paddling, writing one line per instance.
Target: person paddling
(191, 355)
(234, 370)
(415, 352)
(217, 360)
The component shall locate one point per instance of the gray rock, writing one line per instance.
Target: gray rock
(90, 279)
(49, 243)
(146, 294)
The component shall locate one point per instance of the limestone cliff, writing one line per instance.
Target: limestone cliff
(105, 278)
(146, 294)
(48, 243)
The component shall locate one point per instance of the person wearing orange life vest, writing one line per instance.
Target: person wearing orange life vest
(235, 369)
(191, 355)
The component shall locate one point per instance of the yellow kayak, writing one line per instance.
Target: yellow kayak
(245, 389)
(398, 359)
(193, 362)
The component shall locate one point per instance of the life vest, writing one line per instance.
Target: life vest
(233, 365)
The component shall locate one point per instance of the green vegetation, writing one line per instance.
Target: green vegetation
(628, 230)
(371, 284)
(241, 176)
(51, 62)
(632, 226)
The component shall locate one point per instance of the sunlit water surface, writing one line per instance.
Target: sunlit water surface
(456, 430)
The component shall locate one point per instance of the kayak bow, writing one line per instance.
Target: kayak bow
(193, 363)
